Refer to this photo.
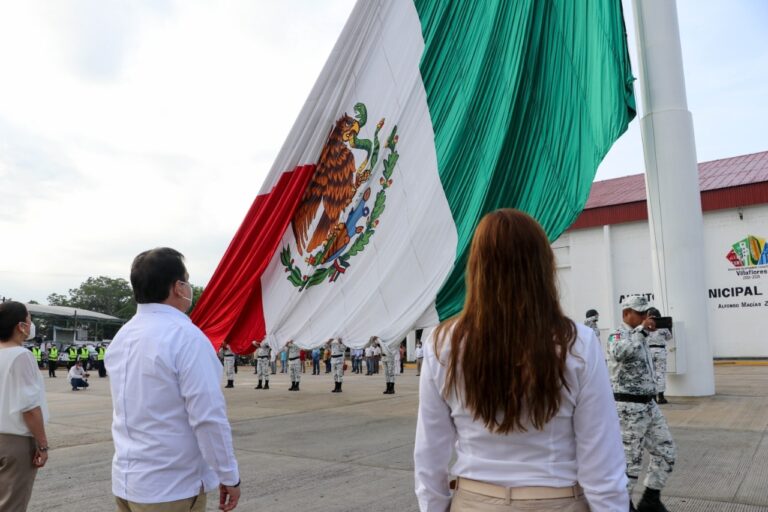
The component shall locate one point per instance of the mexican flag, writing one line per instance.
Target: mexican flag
(427, 115)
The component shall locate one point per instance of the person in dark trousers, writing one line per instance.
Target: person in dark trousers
(53, 360)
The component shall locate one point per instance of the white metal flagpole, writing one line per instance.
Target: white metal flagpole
(674, 201)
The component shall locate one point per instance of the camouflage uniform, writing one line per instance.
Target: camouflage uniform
(642, 424)
(657, 341)
(337, 360)
(294, 362)
(591, 322)
(389, 367)
(229, 363)
(262, 362)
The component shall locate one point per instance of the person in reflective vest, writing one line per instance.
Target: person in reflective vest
(38, 355)
(101, 350)
(84, 356)
(53, 360)
(72, 357)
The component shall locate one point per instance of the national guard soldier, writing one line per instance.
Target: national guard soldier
(337, 362)
(53, 360)
(262, 363)
(591, 321)
(657, 342)
(390, 367)
(229, 364)
(294, 365)
(634, 389)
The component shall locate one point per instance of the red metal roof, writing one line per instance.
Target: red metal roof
(725, 183)
(714, 175)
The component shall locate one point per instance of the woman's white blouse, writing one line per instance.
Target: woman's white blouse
(21, 390)
(582, 443)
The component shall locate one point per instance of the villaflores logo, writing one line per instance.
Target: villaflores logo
(749, 257)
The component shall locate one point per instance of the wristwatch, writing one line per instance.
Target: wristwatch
(42, 448)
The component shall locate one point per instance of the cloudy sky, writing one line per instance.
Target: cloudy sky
(126, 125)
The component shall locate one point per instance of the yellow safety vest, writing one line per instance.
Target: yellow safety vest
(37, 353)
(84, 354)
(53, 354)
(72, 354)
(101, 354)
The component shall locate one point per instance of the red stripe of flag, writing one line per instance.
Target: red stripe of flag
(231, 308)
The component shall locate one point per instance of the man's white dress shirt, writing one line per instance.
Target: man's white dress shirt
(582, 443)
(76, 372)
(169, 422)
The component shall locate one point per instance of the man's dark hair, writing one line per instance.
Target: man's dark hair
(592, 312)
(153, 273)
(11, 313)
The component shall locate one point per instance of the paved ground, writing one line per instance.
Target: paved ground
(319, 451)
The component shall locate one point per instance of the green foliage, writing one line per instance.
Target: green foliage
(101, 294)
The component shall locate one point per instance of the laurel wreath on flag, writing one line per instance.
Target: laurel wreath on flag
(341, 263)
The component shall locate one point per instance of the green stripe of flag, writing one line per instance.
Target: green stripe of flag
(526, 97)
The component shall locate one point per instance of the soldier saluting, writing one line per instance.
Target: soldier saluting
(262, 363)
(337, 363)
(634, 388)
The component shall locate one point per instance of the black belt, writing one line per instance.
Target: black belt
(657, 346)
(263, 357)
(635, 399)
(338, 355)
(293, 358)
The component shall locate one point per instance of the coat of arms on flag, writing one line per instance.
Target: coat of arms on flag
(334, 220)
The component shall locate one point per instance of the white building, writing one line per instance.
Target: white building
(606, 254)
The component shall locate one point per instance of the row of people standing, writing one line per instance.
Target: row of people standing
(52, 358)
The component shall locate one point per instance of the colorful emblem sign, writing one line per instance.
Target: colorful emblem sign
(749, 252)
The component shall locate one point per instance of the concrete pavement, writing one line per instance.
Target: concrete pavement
(321, 451)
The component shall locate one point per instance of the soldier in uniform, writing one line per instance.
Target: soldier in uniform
(657, 342)
(391, 367)
(591, 321)
(229, 364)
(262, 363)
(337, 362)
(634, 389)
(294, 365)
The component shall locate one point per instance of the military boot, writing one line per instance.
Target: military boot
(335, 387)
(297, 386)
(293, 387)
(386, 391)
(259, 386)
(339, 387)
(651, 501)
(661, 399)
(266, 384)
(230, 384)
(392, 388)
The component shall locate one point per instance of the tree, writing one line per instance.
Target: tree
(101, 294)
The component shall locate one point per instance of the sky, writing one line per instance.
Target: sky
(132, 124)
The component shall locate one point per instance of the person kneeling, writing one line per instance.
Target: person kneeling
(78, 377)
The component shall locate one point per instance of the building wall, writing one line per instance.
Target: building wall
(597, 267)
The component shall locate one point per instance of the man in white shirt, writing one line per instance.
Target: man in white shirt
(173, 442)
(77, 377)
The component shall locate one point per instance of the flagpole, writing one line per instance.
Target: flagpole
(674, 201)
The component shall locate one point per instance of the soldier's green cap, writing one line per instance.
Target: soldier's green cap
(637, 303)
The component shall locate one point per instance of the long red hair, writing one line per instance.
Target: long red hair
(510, 342)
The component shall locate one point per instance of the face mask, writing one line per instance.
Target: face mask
(190, 294)
(31, 330)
